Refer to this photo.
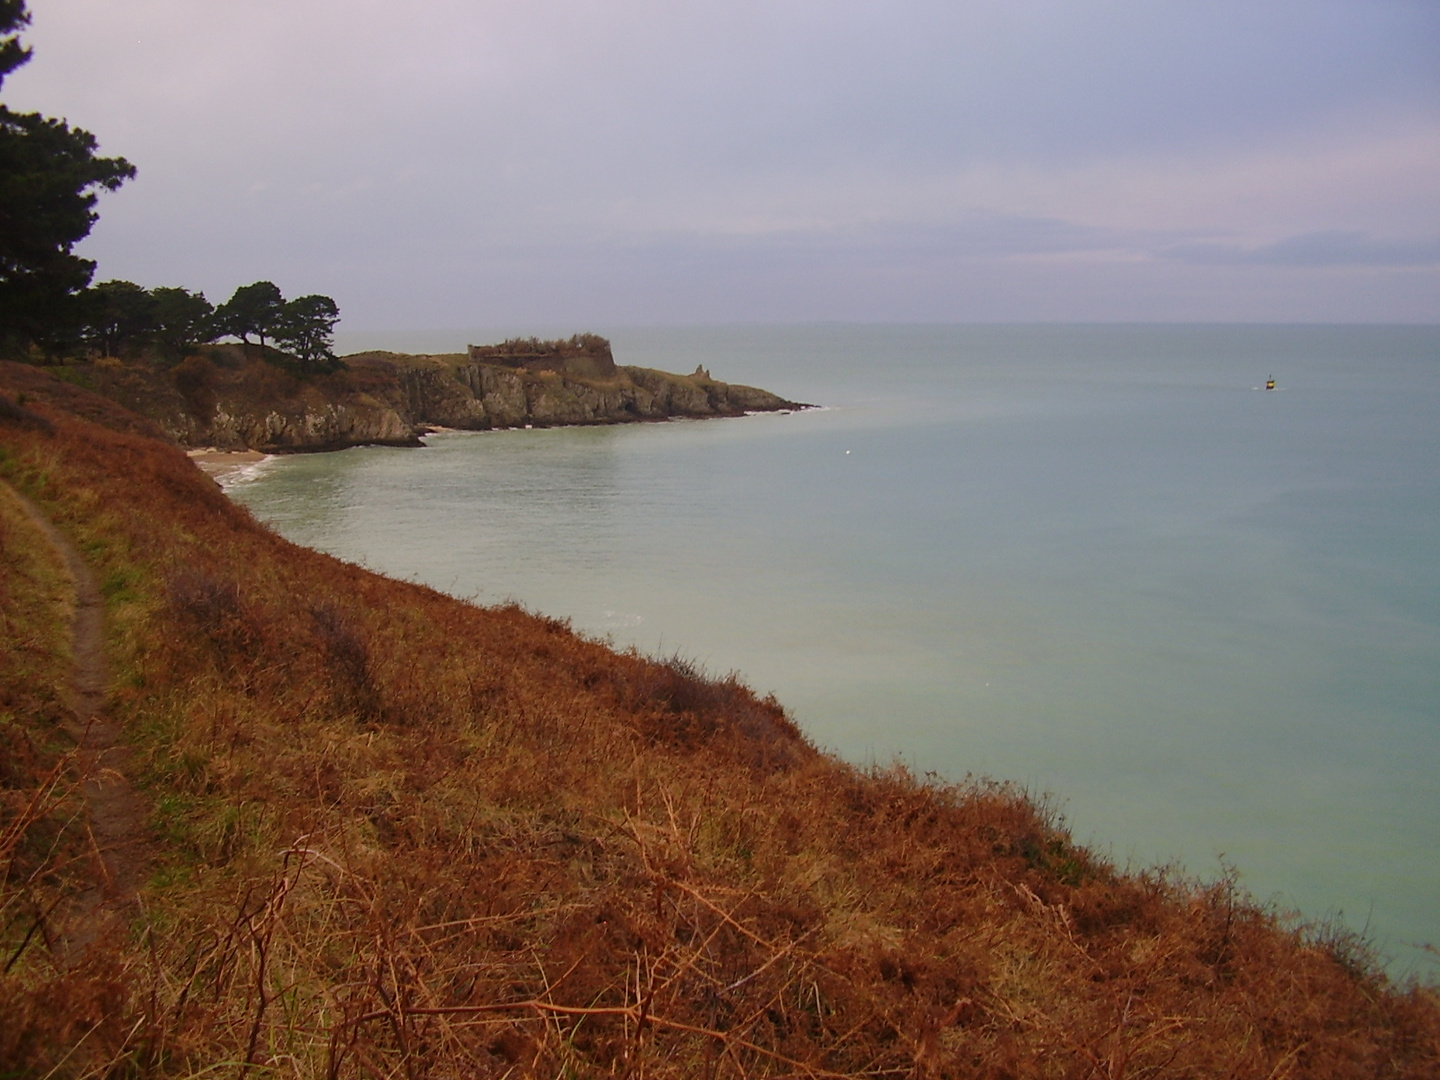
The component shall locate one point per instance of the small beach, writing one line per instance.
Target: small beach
(222, 464)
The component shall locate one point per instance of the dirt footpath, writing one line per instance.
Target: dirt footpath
(118, 816)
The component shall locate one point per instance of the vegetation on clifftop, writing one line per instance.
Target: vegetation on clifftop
(395, 834)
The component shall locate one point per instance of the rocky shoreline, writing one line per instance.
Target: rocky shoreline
(229, 399)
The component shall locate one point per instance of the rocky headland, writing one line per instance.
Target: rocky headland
(233, 398)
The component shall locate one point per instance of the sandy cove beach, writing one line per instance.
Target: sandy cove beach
(219, 463)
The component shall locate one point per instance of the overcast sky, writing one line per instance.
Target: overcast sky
(592, 163)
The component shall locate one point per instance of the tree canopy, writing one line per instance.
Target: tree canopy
(118, 317)
(306, 330)
(12, 54)
(50, 177)
(253, 309)
(303, 327)
(183, 320)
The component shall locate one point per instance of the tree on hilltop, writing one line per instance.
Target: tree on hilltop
(253, 309)
(118, 317)
(303, 327)
(183, 320)
(306, 330)
(50, 177)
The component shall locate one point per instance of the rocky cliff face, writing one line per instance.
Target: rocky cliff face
(322, 426)
(227, 400)
(478, 396)
(232, 401)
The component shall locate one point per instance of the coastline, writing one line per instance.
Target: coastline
(940, 609)
(226, 399)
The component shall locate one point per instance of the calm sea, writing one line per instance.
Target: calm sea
(1100, 561)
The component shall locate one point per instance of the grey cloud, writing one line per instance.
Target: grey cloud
(519, 155)
(675, 91)
(979, 236)
(1332, 247)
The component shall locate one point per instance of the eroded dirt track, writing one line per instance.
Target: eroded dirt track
(117, 815)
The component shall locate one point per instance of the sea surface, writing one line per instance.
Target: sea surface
(1099, 561)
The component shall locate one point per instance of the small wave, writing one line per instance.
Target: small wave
(618, 620)
(248, 473)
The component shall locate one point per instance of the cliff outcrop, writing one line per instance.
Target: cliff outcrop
(447, 392)
(231, 399)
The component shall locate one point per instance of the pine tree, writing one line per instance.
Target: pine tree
(50, 177)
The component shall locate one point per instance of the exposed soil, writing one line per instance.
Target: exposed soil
(117, 814)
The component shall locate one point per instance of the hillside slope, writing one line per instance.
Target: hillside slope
(394, 834)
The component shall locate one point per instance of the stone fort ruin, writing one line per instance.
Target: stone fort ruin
(583, 355)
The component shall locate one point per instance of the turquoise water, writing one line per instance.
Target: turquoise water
(1098, 561)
